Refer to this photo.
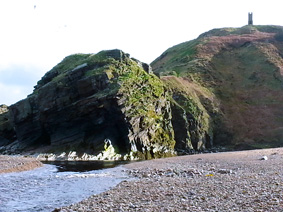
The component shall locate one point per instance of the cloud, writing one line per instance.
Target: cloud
(20, 75)
(55, 29)
(17, 81)
(11, 94)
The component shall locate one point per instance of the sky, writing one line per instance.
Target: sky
(35, 35)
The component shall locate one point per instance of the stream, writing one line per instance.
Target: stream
(56, 185)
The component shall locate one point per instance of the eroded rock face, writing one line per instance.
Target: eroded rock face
(87, 99)
(191, 120)
(7, 134)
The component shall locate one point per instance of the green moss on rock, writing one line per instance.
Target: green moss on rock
(147, 109)
(191, 120)
(89, 98)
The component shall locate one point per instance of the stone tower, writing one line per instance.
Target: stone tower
(250, 19)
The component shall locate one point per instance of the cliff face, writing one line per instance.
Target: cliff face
(7, 132)
(236, 74)
(88, 103)
(223, 88)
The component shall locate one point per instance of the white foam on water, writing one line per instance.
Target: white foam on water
(44, 189)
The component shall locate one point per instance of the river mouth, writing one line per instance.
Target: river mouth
(58, 184)
(84, 166)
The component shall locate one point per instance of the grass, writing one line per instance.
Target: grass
(96, 64)
(269, 28)
(69, 63)
(197, 104)
(179, 54)
(245, 80)
(141, 88)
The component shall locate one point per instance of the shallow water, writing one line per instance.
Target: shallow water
(45, 188)
(83, 166)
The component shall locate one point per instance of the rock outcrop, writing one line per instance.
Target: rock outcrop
(89, 99)
(7, 133)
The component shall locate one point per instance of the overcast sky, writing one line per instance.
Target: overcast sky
(37, 34)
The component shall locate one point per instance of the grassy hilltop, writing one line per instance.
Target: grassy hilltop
(234, 75)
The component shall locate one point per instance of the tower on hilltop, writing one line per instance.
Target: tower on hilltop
(250, 19)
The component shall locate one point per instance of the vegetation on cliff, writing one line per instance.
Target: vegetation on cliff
(223, 88)
(241, 68)
(89, 101)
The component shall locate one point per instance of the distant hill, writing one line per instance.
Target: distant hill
(235, 78)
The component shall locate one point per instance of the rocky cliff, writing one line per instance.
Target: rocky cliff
(224, 88)
(235, 78)
(91, 104)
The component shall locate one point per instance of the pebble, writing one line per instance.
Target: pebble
(225, 171)
(264, 157)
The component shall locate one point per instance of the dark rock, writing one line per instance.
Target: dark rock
(147, 68)
(87, 99)
(7, 133)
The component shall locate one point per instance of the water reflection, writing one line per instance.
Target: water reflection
(84, 166)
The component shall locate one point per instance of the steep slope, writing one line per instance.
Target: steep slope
(224, 88)
(191, 121)
(103, 104)
(241, 70)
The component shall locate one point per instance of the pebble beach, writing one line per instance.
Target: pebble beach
(17, 164)
(229, 181)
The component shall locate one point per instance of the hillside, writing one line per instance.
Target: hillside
(223, 89)
(236, 76)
